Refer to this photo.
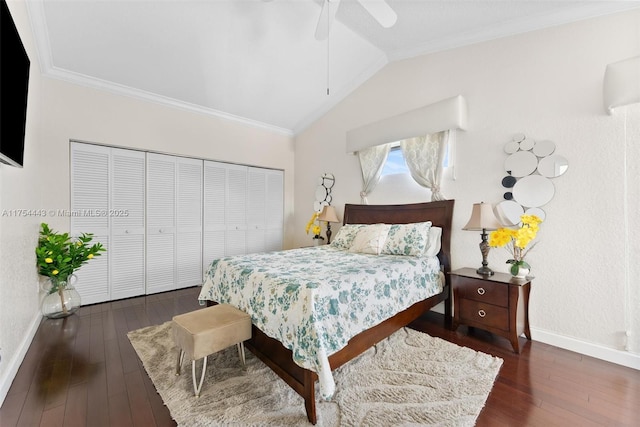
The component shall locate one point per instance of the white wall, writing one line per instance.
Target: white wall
(20, 189)
(548, 85)
(59, 111)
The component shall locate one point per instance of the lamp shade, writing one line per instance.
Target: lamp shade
(328, 214)
(622, 83)
(482, 218)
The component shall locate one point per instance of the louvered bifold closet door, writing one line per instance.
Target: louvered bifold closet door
(127, 263)
(215, 222)
(274, 210)
(189, 222)
(161, 223)
(236, 210)
(89, 214)
(256, 209)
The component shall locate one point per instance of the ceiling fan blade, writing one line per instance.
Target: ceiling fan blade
(381, 11)
(328, 12)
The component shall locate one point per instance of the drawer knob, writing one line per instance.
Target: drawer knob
(481, 291)
(482, 313)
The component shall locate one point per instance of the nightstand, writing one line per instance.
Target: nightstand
(498, 303)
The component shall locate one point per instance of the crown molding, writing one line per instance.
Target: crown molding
(117, 89)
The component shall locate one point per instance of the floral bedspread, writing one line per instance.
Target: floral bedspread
(313, 300)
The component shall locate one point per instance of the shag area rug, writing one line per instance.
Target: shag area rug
(410, 378)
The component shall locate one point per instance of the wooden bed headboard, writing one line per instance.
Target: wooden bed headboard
(440, 214)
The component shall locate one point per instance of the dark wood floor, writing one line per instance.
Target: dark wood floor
(83, 371)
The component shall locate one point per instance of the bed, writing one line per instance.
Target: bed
(314, 309)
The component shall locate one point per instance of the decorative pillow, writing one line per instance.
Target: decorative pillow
(345, 235)
(370, 239)
(407, 239)
(433, 242)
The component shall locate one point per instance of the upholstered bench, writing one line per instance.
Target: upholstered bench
(201, 333)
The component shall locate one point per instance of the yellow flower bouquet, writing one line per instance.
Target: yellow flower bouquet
(314, 227)
(518, 241)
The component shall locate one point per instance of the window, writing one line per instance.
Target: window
(396, 164)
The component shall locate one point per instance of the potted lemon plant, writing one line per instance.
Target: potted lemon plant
(58, 256)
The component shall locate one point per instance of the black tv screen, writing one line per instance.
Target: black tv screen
(14, 85)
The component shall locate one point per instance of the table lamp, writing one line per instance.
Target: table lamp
(483, 218)
(328, 214)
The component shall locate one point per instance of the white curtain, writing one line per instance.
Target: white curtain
(424, 156)
(371, 162)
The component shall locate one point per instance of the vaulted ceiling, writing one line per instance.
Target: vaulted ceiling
(258, 61)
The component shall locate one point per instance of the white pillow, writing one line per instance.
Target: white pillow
(434, 241)
(407, 239)
(345, 235)
(370, 239)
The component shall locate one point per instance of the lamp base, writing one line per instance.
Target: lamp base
(485, 271)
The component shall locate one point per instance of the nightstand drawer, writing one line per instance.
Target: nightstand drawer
(485, 314)
(481, 291)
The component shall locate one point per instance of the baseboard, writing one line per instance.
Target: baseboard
(15, 362)
(618, 357)
(598, 351)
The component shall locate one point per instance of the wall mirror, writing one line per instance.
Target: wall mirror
(553, 166)
(323, 191)
(530, 165)
(521, 163)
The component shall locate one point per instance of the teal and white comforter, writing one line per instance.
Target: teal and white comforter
(313, 300)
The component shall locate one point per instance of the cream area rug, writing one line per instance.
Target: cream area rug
(410, 378)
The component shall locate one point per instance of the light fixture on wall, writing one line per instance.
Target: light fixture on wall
(483, 219)
(621, 83)
(329, 215)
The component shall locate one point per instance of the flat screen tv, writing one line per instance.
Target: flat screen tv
(14, 85)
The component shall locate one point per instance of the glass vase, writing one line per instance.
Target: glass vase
(62, 299)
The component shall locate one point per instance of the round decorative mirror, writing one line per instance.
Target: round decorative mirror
(527, 144)
(321, 193)
(537, 212)
(511, 147)
(553, 166)
(509, 181)
(509, 212)
(544, 148)
(533, 191)
(328, 180)
(521, 163)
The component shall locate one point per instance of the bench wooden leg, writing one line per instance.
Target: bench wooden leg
(197, 388)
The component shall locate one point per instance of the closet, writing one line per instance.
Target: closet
(164, 218)
(108, 200)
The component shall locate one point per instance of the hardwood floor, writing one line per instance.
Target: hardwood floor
(83, 371)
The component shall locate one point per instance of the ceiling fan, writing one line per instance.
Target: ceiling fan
(379, 9)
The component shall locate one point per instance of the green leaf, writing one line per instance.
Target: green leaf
(514, 269)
